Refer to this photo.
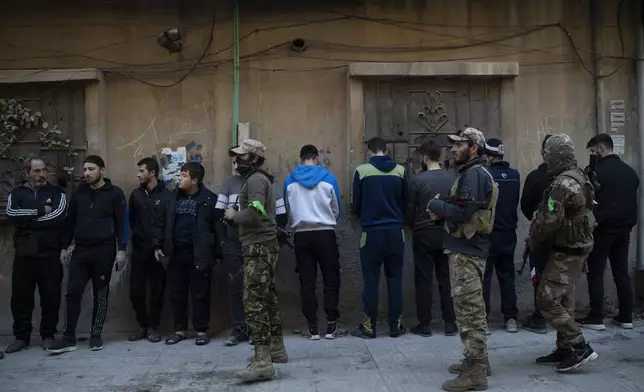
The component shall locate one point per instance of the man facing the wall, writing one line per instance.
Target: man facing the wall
(536, 183)
(379, 198)
(616, 214)
(97, 222)
(503, 239)
(469, 219)
(312, 200)
(37, 209)
(145, 202)
(258, 235)
(429, 255)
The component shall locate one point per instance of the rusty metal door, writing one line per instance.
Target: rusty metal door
(406, 112)
(61, 105)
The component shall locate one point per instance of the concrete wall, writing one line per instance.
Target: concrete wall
(295, 98)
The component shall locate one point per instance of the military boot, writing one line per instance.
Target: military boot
(278, 351)
(260, 367)
(472, 378)
(457, 367)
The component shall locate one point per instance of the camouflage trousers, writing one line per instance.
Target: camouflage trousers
(556, 296)
(466, 279)
(260, 296)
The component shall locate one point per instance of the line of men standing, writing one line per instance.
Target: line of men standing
(185, 232)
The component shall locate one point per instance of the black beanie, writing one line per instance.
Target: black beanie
(95, 159)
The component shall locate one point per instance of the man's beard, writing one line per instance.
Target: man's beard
(463, 158)
(90, 182)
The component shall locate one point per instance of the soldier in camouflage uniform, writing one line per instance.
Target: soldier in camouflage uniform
(469, 219)
(258, 236)
(565, 219)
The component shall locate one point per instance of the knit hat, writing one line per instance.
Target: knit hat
(95, 159)
(494, 147)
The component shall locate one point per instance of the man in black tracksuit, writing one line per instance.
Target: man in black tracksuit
(503, 239)
(37, 209)
(616, 214)
(144, 203)
(185, 239)
(97, 222)
(535, 184)
(429, 255)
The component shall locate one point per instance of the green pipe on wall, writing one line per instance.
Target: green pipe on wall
(235, 72)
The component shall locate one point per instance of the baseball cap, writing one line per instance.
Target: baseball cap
(469, 134)
(248, 146)
(494, 147)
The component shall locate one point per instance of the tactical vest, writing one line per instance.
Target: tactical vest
(482, 221)
(577, 228)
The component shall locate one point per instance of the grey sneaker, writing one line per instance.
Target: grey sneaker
(511, 326)
(47, 343)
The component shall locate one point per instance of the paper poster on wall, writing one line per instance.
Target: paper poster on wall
(174, 159)
(618, 144)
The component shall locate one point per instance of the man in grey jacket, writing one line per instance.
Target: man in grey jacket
(469, 219)
(428, 240)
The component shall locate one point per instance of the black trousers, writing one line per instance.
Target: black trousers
(427, 260)
(234, 269)
(313, 248)
(184, 281)
(538, 260)
(612, 245)
(146, 269)
(95, 264)
(504, 267)
(46, 273)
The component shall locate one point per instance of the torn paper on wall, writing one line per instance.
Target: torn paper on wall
(174, 159)
(619, 144)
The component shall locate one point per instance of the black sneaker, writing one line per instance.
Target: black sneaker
(15, 346)
(623, 323)
(557, 356)
(362, 332)
(592, 322)
(536, 325)
(577, 358)
(451, 329)
(312, 333)
(422, 330)
(332, 331)
(64, 345)
(95, 343)
(397, 331)
(236, 337)
(140, 334)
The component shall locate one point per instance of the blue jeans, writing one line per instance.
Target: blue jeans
(378, 247)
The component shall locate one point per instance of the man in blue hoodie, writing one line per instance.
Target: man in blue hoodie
(503, 239)
(379, 198)
(312, 199)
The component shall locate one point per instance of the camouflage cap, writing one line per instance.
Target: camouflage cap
(469, 134)
(248, 146)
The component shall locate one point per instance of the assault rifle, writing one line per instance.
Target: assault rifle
(526, 256)
(282, 235)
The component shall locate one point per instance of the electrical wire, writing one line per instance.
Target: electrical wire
(621, 40)
(194, 66)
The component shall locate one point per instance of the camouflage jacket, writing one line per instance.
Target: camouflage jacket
(564, 217)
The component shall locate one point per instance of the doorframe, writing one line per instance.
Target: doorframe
(358, 72)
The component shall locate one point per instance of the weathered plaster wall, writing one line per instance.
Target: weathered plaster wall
(299, 98)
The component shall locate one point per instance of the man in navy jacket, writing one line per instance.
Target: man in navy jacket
(503, 239)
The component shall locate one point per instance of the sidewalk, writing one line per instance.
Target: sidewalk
(410, 363)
